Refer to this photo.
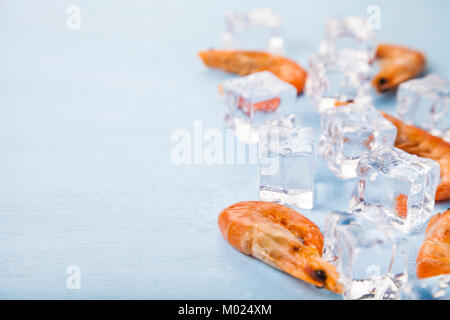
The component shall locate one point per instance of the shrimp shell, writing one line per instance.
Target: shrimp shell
(247, 62)
(280, 237)
(398, 65)
(434, 254)
(419, 142)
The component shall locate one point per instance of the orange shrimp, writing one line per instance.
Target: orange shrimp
(247, 62)
(419, 142)
(434, 254)
(280, 237)
(398, 65)
(343, 103)
(265, 106)
(401, 205)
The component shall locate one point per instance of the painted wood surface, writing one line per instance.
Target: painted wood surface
(86, 120)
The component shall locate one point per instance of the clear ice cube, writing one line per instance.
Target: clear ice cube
(370, 257)
(254, 100)
(401, 185)
(425, 103)
(258, 29)
(434, 288)
(332, 220)
(338, 79)
(350, 133)
(286, 166)
(350, 33)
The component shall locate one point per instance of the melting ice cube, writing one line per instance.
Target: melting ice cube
(338, 79)
(350, 33)
(254, 100)
(286, 166)
(258, 29)
(350, 133)
(371, 257)
(402, 185)
(426, 103)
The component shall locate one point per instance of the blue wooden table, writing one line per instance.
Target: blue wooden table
(87, 115)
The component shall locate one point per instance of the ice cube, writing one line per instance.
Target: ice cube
(402, 185)
(426, 103)
(255, 100)
(350, 133)
(258, 29)
(286, 166)
(350, 33)
(248, 133)
(333, 219)
(434, 288)
(336, 218)
(338, 79)
(287, 121)
(370, 257)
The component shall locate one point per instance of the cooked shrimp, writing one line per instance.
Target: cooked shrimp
(343, 103)
(419, 142)
(398, 64)
(280, 237)
(264, 106)
(247, 62)
(401, 205)
(434, 254)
